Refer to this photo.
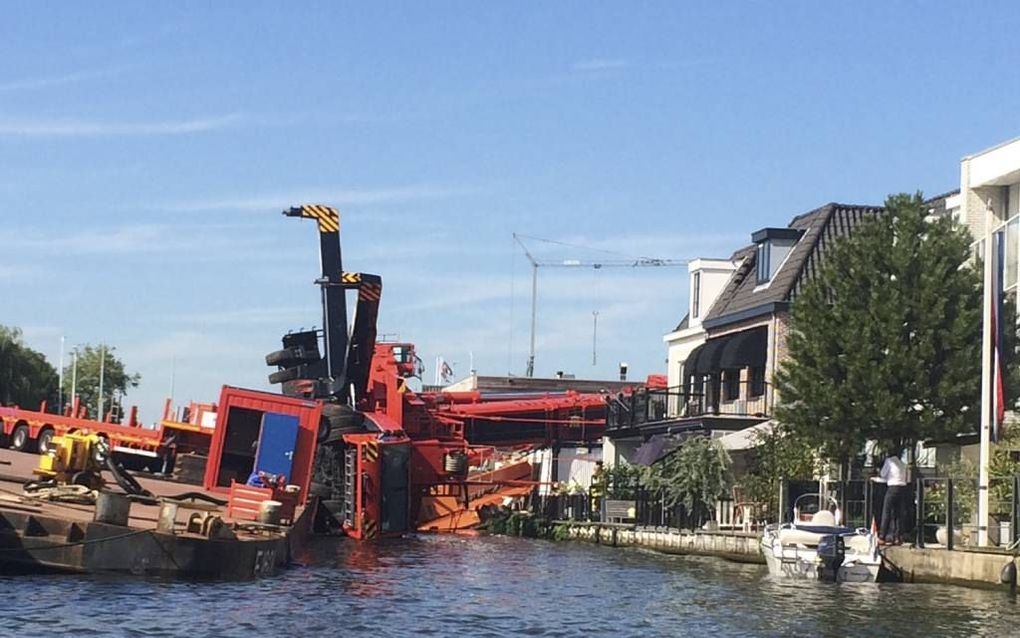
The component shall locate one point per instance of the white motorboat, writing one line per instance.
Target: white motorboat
(819, 549)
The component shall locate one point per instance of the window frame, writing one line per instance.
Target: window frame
(756, 381)
(696, 295)
(764, 273)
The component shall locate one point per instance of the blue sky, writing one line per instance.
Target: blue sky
(147, 149)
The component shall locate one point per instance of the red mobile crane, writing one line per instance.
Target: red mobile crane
(381, 458)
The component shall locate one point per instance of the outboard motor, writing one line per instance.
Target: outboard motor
(831, 554)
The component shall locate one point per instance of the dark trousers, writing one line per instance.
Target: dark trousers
(892, 513)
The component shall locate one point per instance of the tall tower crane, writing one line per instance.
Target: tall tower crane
(629, 262)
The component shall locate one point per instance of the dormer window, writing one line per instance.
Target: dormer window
(696, 295)
(774, 245)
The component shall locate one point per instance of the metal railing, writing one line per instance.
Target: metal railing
(641, 507)
(652, 405)
(945, 503)
(929, 509)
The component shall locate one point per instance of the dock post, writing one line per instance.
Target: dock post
(919, 513)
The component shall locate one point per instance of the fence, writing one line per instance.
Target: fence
(638, 506)
(944, 504)
(721, 398)
(931, 508)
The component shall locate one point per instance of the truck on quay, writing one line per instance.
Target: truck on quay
(136, 446)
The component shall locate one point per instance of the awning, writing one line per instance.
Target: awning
(747, 349)
(654, 449)
(708, 361)
(744, 439)
(740, 350)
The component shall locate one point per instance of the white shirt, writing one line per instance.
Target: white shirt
(894, 471)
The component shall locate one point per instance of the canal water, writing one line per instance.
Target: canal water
(448, 586)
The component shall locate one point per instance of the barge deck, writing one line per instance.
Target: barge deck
(43, 536)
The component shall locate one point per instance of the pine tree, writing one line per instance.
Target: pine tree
(886, 340)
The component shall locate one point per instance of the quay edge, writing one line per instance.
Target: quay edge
(961, 567)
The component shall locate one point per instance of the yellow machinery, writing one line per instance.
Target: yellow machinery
(75, 458)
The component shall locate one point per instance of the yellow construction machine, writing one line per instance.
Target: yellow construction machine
(75, 458)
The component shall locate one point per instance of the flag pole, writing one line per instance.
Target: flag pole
(987, 405)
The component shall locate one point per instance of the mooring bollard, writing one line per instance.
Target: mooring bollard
(269, 512)
(167, 517)
(112, 509)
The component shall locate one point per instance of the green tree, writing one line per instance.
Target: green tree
(694, 476)
(885, 341)
(115, 377)
(26, 378)
(776, 456)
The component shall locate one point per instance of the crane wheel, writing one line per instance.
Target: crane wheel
(320, 489)
(287, 374)
(342, 420)
(291, 356)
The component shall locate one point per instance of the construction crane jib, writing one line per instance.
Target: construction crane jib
(634, 262)
(334, 302)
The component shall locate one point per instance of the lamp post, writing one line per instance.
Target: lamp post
(102, 371)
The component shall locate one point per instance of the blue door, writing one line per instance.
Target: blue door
(277, 440)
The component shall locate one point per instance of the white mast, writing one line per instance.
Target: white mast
(987, 405)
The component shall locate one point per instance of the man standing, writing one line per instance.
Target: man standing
(894, 475)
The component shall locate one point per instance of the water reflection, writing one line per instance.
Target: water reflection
(497, 587)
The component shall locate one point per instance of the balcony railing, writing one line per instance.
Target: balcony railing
(652, 405)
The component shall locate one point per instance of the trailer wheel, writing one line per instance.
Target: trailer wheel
(20, 439)
(45, 441)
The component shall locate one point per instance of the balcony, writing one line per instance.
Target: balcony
(744, 400)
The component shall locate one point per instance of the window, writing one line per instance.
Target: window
(757, 384)
(696, 295)
(763, 262)
(731, 384)
(1010, 262)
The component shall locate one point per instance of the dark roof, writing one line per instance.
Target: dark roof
(938, 203)
(684, 324)
(821, 228)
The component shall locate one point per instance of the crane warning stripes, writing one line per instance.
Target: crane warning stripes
(327, 217)
(371, 530)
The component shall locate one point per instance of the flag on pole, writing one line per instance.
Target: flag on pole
(444, 370)
(998, 387)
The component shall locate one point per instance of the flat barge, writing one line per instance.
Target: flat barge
(42, 536)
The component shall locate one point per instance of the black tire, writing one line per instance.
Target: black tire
(86, 479)
(319, 489)
(45, 441)
(20, 441)
(342, 420)
(291, 356)
(287, 374)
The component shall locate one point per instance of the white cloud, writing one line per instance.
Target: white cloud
(333, 197)
(140, 238)
(47, 81)
(283, 316)
(12, 127)
(600, 64)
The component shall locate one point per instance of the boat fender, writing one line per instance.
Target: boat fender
(1008, 574)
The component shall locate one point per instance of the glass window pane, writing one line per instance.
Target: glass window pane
(1012, 237)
